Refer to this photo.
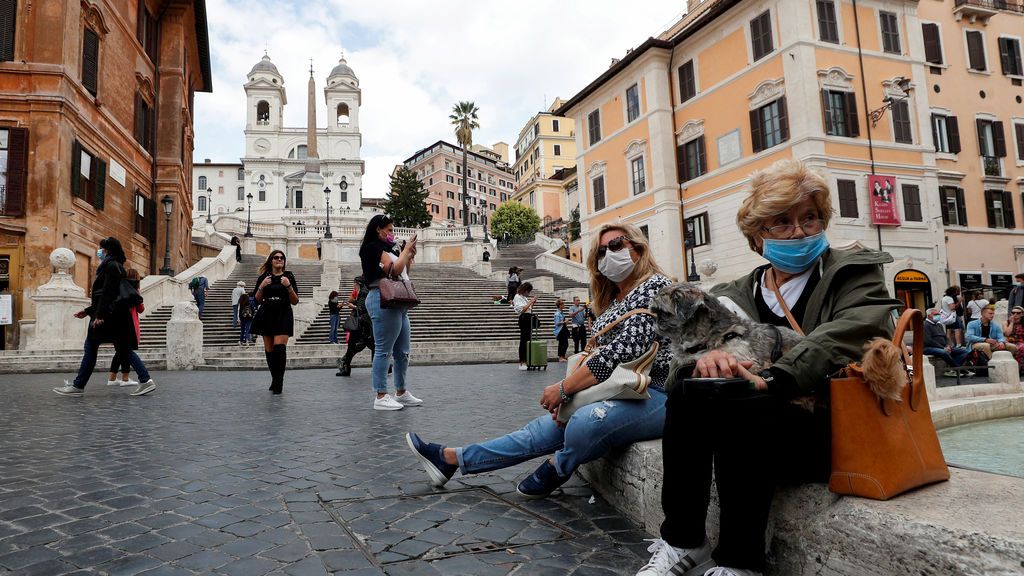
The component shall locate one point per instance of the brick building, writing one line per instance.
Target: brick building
(96, 109)
(439, 167)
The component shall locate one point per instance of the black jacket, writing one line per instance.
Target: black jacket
(934, 335)
(118, 327)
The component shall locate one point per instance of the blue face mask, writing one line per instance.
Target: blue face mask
(100, 253)
(795, 256)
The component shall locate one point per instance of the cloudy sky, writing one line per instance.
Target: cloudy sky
(414, 60)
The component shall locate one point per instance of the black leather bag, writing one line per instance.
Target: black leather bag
(127, 297)
(352, 322)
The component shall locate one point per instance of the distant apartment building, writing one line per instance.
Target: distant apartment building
(96, 137)
(219, 189)
(668, 135)
(546, 145)
(489, 183)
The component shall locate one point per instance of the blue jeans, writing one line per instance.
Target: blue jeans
(200, 297)
(953, 358)
(335, 320)
(589, 434)
(246, 324)
(89, 353)
(392, 339)
(234, 315)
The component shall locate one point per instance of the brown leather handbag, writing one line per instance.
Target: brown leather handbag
(882, 448)
(397, 293)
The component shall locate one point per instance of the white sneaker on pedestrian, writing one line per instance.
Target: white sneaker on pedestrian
(407, 399)
(128, 382)
(522, 367)
(949, 373)
(113, 382)
(725, 571)
(68, 390)
(387, 402)
(144, 388)
(668, 560)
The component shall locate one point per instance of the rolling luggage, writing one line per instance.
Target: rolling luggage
(536, 350)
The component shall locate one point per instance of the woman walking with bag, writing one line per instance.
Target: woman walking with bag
(391, 331)
(358, 327)
(276, 292)
(624, 278)
(522, 304)
(245, 314)
(110, 321)
(124, 361)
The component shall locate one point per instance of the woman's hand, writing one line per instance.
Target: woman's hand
(265, 283)
(285, 281)
(550, 400)
(718, 364)
(80, 314)
(97, 323)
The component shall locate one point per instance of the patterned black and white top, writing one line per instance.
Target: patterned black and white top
(633, 336)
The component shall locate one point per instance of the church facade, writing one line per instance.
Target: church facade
(283, 167)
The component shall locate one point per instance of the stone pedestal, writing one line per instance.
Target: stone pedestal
(56, 302)
(1003, 368)
(929, 380)
(184, 337)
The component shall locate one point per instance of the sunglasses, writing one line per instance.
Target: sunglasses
(615, 244)
(278, 257)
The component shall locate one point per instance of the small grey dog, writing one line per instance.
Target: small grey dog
(696, 322)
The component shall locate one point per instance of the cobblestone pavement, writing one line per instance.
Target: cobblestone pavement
(212, 474)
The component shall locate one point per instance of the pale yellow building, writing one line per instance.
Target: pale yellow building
(546, 145)
(669, 134)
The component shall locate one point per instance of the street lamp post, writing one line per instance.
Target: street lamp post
(327, 194)
(248, 220)
(465, 217)
(168, 203)
(209, 204)
(692, 276)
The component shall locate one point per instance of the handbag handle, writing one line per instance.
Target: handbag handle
(592, 343)
(911, 318)
(770, 276)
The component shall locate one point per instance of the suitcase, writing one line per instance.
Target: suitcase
(536, 350)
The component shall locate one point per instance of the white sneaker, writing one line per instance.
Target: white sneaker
(407, 399)
(668, 560)
(725, 571)
(128, 382)
(113, 382)
(522, 367)
(144, 388)
(949, 373)
(68, 390)
(387, 402)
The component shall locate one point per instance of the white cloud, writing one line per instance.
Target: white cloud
(414, 61)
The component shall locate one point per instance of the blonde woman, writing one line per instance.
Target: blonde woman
(624, 277)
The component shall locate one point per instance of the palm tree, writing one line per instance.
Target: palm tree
(464, 117)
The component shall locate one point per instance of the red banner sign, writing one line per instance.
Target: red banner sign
(883, 200)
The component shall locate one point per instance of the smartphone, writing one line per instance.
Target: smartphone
(413, 238)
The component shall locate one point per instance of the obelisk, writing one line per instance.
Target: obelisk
(312, 181)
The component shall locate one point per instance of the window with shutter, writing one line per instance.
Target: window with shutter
(944, 204)
(594, 126)
(90, 60)
(639, 178)
(1018, 129)
(1009, 219)
(828, 28)
(632, 103)
(761, 35)
(8, 25)
(696, 230)
(1009, 56)
(940, 134)
(694, 164)
(756, 137)
(901, 122)
(976, 50)
(999, 139)
(840, 113)
(993, 208)
(100, 183)
(961, 209)
(13, 186)
(954, 134)
(847, 198)
(597, 184)
(932, 43)
(890, 32)
(912, 203)
(687, 82)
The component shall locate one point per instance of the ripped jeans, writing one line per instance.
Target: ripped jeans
(589, 434)
(392, 339)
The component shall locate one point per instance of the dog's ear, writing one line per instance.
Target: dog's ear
(689, 302)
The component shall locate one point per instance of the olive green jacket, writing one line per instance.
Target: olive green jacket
(849, 306)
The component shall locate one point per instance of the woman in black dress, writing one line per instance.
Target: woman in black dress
(276, 292)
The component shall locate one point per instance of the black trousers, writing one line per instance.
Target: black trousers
(563, 341)
(753, 443)
(120, 363)
(525, 329)
(357, 342)
(579, 338)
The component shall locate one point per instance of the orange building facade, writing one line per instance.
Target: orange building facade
(668, 136)
(96, 108)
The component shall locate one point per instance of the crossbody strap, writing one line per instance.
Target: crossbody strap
(592, 343)
(769, 279)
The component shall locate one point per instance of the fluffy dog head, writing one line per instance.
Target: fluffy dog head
(884, 368)
(686, 314)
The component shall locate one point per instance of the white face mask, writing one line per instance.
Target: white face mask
(616, 266)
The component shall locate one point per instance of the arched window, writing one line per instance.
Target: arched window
(262, 113)
(202, 183)
(201, 204)
(299, 152)
(343, 115)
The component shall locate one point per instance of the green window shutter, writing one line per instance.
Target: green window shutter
(756, 131)
(999, 137)
(783, 120)
(8, 25)
(90, 61)
(17, 172)
(100, 174)
(1008, 218)
(826, 110)
(953, 128)
(852, 124)
(76, 168)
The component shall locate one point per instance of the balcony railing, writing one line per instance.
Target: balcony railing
(992, 166)
(985, 9)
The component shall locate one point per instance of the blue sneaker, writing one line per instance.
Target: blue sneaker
(432, 459)
(542, 482)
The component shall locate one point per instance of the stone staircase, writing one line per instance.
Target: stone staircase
(457, 305)
(524, 256)
(217, 328)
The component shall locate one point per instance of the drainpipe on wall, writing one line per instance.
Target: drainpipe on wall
(156, 130)
(867, 109)
(675, 149)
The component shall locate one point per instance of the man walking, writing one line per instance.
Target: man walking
(235, 295)
(986, 336)
(579, 313)
(936, 344)
(199, 286)
(1016, 297)
(319, 249)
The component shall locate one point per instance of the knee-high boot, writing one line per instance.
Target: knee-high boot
(281, 360)
(271, 362)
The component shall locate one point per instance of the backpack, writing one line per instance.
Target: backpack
(194, 283)
(246, 312)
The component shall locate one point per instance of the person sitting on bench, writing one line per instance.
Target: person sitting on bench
(986, 336)
(936, 344)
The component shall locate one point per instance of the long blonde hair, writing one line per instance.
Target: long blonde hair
(604, 290)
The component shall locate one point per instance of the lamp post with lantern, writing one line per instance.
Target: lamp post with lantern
(248, 220)
(209, 205)
(327, 196)
(167, 203)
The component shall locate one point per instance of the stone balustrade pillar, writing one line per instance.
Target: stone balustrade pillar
(184, 337)
(56, 302)
(1003, 368)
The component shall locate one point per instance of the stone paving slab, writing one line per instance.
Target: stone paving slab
(211, 474)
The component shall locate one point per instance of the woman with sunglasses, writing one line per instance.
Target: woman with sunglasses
(623, 277)
(276, 292)
(754, 438)
(1015, 333)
